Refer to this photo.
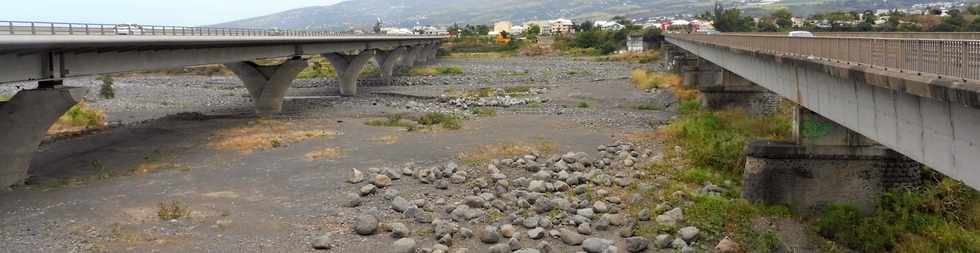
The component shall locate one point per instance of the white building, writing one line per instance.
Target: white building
(609, 25)
(562, 26)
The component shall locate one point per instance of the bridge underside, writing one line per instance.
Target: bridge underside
(926, 120)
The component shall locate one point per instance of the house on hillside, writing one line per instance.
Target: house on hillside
(635, 43)
(562, 27)
(544, 25)
(609, 25)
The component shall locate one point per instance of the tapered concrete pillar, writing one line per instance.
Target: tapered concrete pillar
(349, 69)
(268, 84)
(24, 121)
(420, 57)
(410, 58)
(433, 52)
(386, 61)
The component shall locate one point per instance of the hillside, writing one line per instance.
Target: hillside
(406, 13)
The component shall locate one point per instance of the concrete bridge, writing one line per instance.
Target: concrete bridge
(49, 52)
(867, 103)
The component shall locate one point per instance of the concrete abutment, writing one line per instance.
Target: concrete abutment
(24, 121)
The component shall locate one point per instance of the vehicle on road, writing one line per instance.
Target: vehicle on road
(803, 34)
(128, 29)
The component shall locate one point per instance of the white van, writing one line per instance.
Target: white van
(803, 34)
(128, 29)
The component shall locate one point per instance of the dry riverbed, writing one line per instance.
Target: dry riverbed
(538, 156)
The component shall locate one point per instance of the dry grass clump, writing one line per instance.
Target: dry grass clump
(483, 154)
(535, 50)
(150, 167)
(263, 134)
(325, 154)
(79, 118)
(173, 210)
(638, 57)
(646, 80)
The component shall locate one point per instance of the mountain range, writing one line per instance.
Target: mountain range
(363, 14)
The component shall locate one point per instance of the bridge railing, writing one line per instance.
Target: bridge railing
(942, 57)
(893, 35)
(56, 28)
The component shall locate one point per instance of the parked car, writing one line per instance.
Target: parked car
(128, 29)
(803, 34)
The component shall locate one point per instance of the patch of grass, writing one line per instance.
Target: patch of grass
(583, 104)
(484, 112)
(434, 71)
(173, 210)
(637, 57)
(534, 104)
(127, 236)
(483, 154)
(941, 216)
(649, 107)
(394, 120)
(719, 216)
(447, 121)
(517, 89)
(318, 69)
(646, 80)
(264, 134)
(4, 98)
(79, 118)
(325, 154)
(579, 52)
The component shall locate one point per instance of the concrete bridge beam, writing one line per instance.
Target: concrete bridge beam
(24, 121)
(387, 60)
(268, 84)
(349, 69)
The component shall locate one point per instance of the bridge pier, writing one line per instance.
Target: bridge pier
(268, 84)
(722, 89)
(825, 164)
(410, 58)
(25, 120)
(387, 60)
(349, 69)
(421, 55)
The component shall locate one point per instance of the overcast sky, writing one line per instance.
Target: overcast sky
(153, 12)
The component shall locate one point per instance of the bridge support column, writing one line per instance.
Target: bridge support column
(386, 61)
(411, 57)
(421, 57)
(349, 69)
(826, 164)
(723, 89)
(268, 84)
(433, 52)
(24, 121)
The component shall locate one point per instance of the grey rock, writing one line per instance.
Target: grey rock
(688, 233)
(353, 200)
(662, 241)
(514, 244)
(356, 176)
(499, 248)
(644, 214)
(586, 212)
(404, 245)
(366, 225)
(584, 228)
(367, 189)
(457, 179)
(474, 201)
(688, 249)
(595, 245)
(400, 204)
(531, 222)
(678, 243)
(571, 237)
(424, 217)
(490, 235)
(527, 251)
(602, 224)
(381, 181)
(537, 186)
(545, 247)
(442, 184)
(536, 233)
(323, 242)
(600, 207)
(390, 194)
(400, 230)
(637, 244)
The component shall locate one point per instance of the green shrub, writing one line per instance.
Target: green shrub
(4, 98)
(435, 118)
(105, 90)
(432, 71)
(82, 116)
(718, 216)
(318, 69)
(583, 104)
(172, 210)
(484, 112)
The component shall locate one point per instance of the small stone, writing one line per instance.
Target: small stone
(465, 233)
(499, 248)
(531, 222)
(323, 242)
(507, 230)
(442, 184)
(571, 237)
(514, 244)
(404, 245)
(545, 247)
(374, 170)
(678, 243)
(489, 235)
(586, 212)
(688, 233)
(424, 217)
(390, 194)
(381, 181)
(602, 224)
(637, 244)
(356, 176)
(367, 189)
(537, 186)
(595, 245)
(726, 245)
(353, 200)
(536, 233)
(527, 251)
(644, 214)
(400, 204)
(688, 249)
(400, 230)
(584, 229)
(600, 207)
(457, 179)
(407, 171)
(366, 225)
(662, 241)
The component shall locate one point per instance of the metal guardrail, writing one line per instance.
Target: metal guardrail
(55, 28)
(943, 57)
(893, 35)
